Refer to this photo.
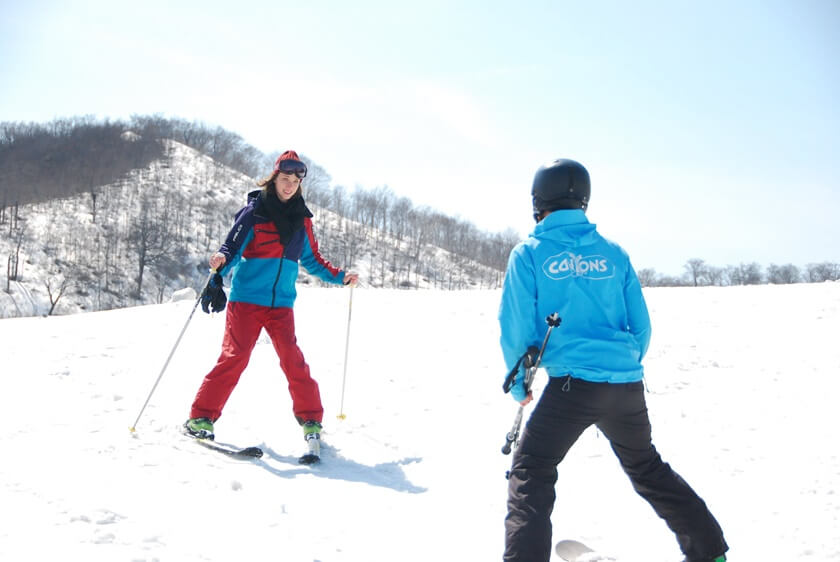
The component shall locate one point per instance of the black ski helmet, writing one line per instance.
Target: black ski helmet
(562, 184)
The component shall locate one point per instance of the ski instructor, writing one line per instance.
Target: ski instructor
(270, 235)
(594, 367)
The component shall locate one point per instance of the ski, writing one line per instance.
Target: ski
(248, 453)
(229, 450)
(570, 550)
(225, 448)
(208, 442)
(574, 551)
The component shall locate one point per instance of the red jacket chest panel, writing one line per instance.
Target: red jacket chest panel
(265, 244)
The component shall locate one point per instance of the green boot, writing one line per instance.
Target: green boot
(311, 430)
(312, 435)
(202, 428)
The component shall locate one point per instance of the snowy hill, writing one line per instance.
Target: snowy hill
(161, 223)
(742, 392)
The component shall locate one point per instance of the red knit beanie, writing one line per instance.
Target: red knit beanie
(288, 155)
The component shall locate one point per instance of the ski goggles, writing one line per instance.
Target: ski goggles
(295, 167)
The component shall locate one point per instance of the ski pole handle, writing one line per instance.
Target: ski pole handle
(553, 321)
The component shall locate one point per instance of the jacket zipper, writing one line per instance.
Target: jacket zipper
(276, 279)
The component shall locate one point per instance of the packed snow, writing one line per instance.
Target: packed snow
(742, 389)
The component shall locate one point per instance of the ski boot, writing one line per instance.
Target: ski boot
(312, 436)
(200, 428)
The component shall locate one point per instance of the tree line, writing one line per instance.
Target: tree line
(698, 273)
(388, 218)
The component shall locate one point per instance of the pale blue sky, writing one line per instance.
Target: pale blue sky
(710, 129)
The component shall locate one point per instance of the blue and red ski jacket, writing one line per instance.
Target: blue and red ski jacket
(264, 269)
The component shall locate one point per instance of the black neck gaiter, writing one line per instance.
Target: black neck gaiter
(287, 216)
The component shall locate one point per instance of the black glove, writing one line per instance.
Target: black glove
(528, 359)
(213, 296)
(531, 355)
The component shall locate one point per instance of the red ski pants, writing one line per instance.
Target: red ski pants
(243, 324)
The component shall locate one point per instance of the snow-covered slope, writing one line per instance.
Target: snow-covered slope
(187, 201)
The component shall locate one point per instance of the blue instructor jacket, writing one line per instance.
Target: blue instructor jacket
(565, 266)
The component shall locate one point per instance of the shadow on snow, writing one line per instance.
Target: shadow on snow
(334, 466)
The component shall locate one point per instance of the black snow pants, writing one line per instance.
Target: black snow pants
(567, 407)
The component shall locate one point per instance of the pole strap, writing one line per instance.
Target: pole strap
(532, 357)
(508, 384)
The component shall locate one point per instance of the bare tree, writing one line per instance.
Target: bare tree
(825, 271)
(744, 274)
(715, 275)
(12, 266)
(55, 289)
(316, 185)
(399, 215)
(783, 274)
(149, 238)
(696, 269)
(647, 277)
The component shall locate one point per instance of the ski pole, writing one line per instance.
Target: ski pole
(341, 415)
(133, 427)
(512, 438)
